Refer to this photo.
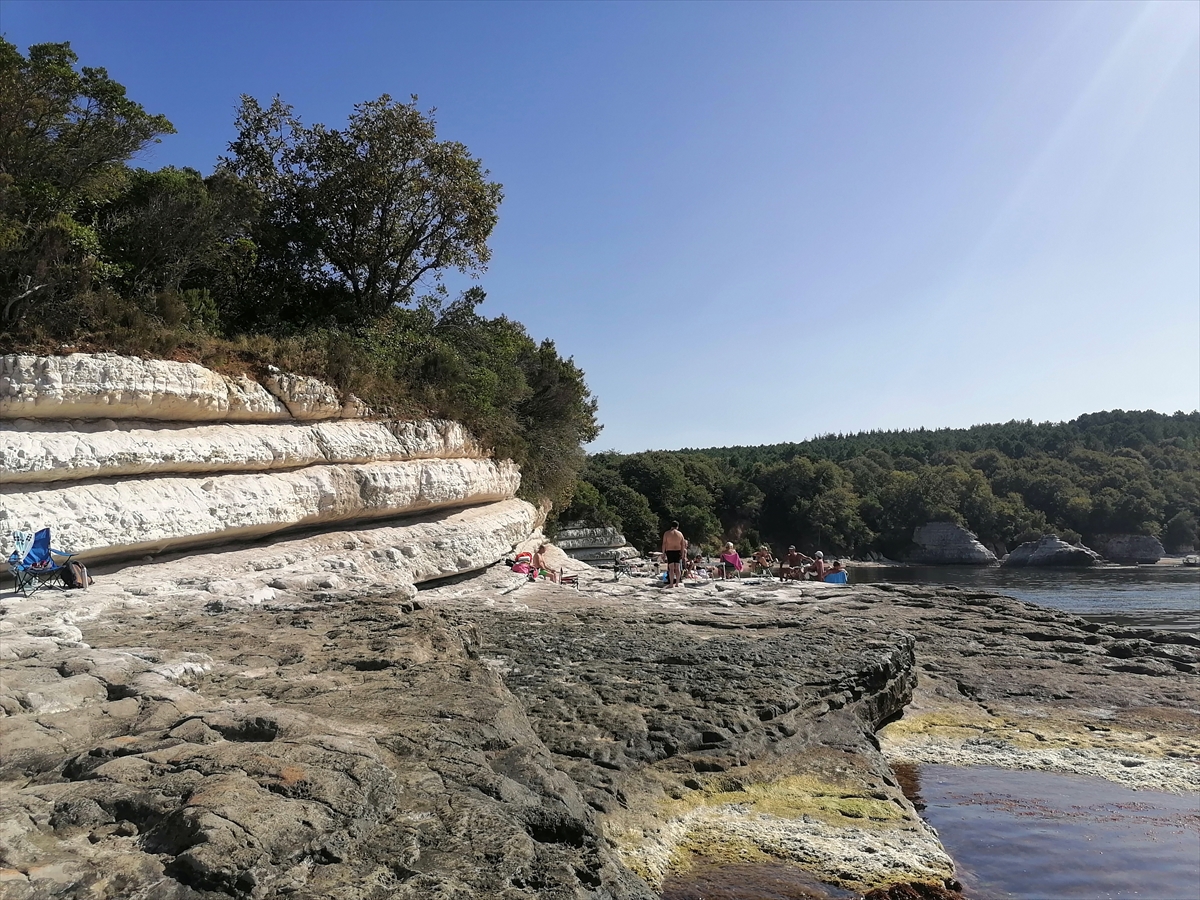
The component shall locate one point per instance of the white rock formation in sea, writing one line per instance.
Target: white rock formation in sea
(1130, 548)
(948, 544)
(123, 456)
(596, 545)
(1052, 551)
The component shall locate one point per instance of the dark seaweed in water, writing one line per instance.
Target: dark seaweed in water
(1022, 835)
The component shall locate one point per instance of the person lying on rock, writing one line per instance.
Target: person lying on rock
(541, 568)
(837, 575)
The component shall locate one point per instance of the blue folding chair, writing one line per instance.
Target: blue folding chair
(33, 565)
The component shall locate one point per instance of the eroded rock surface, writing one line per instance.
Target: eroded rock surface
(41, 451)
(339, 736)
(138, 515)
(593, 545)
(108, 386)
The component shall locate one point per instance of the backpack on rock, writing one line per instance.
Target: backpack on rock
(75, 575)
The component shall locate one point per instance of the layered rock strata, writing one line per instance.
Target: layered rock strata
(948, 544)
(130, 483)
(106, 385)
(1051, 551)
(142, 515)
(596, 545)
(36, 450)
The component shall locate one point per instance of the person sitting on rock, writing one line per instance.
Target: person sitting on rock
(793, 565)
(731, 562)
(763, 560)
(819, 568)
(541, 568)
(837, 575)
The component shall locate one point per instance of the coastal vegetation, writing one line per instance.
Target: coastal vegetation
(323, 251)
(1106, 473)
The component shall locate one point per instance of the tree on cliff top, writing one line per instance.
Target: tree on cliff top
(355, 221)
(65, 136)
(309, 248)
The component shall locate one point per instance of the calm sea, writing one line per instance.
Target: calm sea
(1144, 596)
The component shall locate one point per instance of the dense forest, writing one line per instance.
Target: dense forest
(320, 250)
(1106, 473)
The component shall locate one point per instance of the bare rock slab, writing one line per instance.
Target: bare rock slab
(948, 544)
(1051, 551)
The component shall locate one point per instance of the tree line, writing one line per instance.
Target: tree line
(1106, 473)
(317, 249)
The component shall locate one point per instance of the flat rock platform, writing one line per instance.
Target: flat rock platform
(488, 737)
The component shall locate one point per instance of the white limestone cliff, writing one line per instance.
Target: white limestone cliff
(141, 515)
(377, 559)
(123, 456)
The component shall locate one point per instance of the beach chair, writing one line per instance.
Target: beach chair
(33, 564)
(763, 569)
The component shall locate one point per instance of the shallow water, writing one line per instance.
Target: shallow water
(1165, 597)
(1020, 835)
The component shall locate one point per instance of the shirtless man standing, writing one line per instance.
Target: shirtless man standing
(674, 544)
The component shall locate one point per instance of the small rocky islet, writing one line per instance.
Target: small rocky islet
(368, 710)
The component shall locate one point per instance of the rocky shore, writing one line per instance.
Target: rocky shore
(332, 689)
(495, 738)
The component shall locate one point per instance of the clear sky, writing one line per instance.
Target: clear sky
(752, 223)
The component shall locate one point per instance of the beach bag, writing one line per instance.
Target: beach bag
(75, 575)
(521, 568)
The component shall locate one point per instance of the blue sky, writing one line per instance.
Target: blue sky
(752, 223)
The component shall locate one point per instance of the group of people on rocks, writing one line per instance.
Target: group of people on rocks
(796, 566)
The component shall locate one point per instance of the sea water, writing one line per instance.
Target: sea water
(1018, 835)
(1162, 597)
